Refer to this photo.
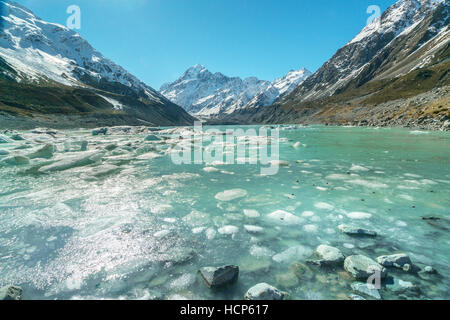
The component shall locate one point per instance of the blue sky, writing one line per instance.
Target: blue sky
(157, 40)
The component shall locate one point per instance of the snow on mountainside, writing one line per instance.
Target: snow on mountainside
(204, 93)
(40, 51)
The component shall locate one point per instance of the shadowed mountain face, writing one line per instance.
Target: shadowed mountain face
(403, 54)
(48, 69)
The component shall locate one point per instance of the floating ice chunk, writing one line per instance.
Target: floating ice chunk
(250, 213)
(296, 253)
(321, 188)
(284, 217)
(307, 214)
(148, 156)
(348, 245)
(258, 251)
(310, 228)
(16, 160)
(253, 229)
(337, 176)
(43, 152)
(298, 144)
(228, 230)
(401, 223)
(197, 219)
(358, 168)
(406, 197)
(161, 234)
(412, 175)
(162, 209)
(359, 215)
(210, 169)
(324, 206)
(80, 160)
(103, 170)
(198, 230)
(369, 184)
(230, 195)
(210, 233)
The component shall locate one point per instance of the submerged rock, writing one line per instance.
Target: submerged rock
(218, 277)
(264, 291)
(356, 231)
(97, 132)
(400, 286)
(10, 293)
(367, 289)
(362, 267)
(328, 255)
(395, 260)
(302, 271)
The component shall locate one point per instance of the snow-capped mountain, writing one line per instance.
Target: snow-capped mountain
(34, 51)
(279, 88)
(400, 56)
(208, 94)
(398, 21)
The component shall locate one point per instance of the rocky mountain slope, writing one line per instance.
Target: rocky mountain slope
(403, 54)
(214, 95)
(48, 69)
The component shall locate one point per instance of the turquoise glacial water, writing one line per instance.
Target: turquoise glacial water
(120, 220)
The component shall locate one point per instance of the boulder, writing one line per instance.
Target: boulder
(362, 267)
(218, 277)
(97, 132)
(395, 260)
(10, 293)
(329, 255)
(264, 291)
(356, 231)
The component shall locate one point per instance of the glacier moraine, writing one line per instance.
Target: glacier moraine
(108, 214)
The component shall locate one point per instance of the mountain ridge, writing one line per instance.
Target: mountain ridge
(208, 94)
(40, 55)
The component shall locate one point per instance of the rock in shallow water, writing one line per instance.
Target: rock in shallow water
(356, 231)
(218, 277)
(367, 289)
(264, 291)
(362, 267)
(10, 293)
(394, 260)
(329, 255)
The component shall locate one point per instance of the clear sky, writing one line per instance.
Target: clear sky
(157, 40)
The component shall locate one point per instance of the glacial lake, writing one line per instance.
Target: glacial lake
(112, 217)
